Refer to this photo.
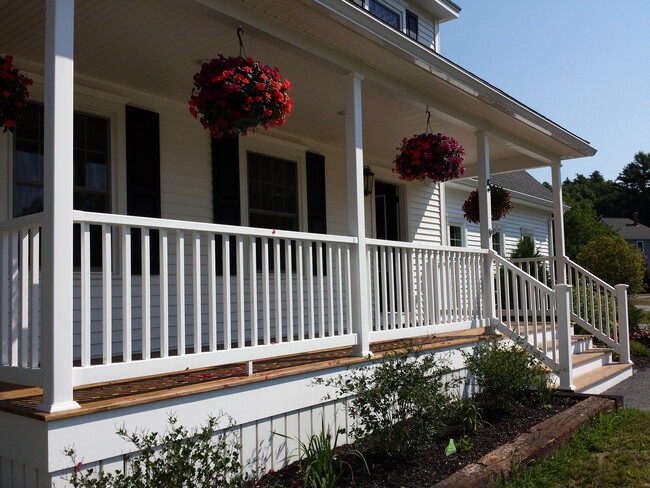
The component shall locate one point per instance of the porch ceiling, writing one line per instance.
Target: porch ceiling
(155, 46)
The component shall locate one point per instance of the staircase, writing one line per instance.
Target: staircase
(537, 312)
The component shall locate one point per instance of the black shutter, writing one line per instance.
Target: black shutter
(143, 179)
(225, 181)
(316, 204)
(226, 194)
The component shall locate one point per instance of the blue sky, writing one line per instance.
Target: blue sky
(585, 64)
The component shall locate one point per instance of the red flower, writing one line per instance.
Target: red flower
(236, 95)
(499, 201)
(428, 156)
(13, 90)
(77, 467)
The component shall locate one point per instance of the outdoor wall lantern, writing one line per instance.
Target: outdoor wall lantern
(368, 181)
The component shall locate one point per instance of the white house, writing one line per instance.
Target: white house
(133, 247)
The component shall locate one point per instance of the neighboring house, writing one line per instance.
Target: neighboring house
(133, 247)
(633, 232)
(531, 216)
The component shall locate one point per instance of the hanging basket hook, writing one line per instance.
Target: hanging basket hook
(240, 33)
(427, 129)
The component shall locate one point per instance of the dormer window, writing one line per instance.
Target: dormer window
(388, 15)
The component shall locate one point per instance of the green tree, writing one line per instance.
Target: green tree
(615, 261)
(634, 187)
(581, 225)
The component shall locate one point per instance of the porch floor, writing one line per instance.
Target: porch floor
(23, 400)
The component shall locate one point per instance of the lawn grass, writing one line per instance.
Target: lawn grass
(612, 453)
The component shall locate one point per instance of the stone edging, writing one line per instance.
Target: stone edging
(540, 441)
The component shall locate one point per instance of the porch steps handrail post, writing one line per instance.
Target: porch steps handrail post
(57, 315)
(623, 323)
(563, 300)
(359, 316)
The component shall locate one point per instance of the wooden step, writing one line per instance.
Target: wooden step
(579, 358)
(603, 378)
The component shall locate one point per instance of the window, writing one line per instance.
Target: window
(497, 246)
(384, 13)
(91, 171)
(455, 235)
(91, 163)
(28, 162)
(272, 192)
(411, 25)
(639, 245)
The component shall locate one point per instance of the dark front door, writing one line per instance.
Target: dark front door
(387, 211)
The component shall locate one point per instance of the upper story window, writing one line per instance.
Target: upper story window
(411, 25)
(388, 15)
(639, 245)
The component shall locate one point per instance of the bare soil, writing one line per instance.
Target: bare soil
(431, 465)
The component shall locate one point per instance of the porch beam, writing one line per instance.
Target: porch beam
(359, 316)
(558, 223)
(57, 295)
(485, 214)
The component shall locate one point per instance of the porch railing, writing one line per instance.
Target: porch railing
(20, 315)
(597, 307)
(160, 295)
(414, 287)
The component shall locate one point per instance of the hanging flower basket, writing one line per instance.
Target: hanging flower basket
(436, 157)
(500, 200)
(236, 95)
(13, 92)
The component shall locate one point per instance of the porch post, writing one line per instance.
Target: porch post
(558, 223)
(485, 213)
(57, 219)
(359, 308)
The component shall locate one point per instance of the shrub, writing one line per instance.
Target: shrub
(399, 402)
(505, 373)
(614, 261)
(641, 336)
(176, 458)
(634, 316)
(638, 349)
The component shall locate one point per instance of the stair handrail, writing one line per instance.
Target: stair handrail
(589, 310)
(555, 301)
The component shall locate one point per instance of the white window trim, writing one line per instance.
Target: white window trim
(279, 148)
(456, 222)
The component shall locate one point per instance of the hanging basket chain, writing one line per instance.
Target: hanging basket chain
(242, 51)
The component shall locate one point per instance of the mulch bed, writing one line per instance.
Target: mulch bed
(429, 466)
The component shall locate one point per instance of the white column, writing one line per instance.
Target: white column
(359, 315)
(57, 221)
(485, 213)
(558, 223)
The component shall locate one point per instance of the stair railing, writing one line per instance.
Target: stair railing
(599, 308)
(533, 314)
